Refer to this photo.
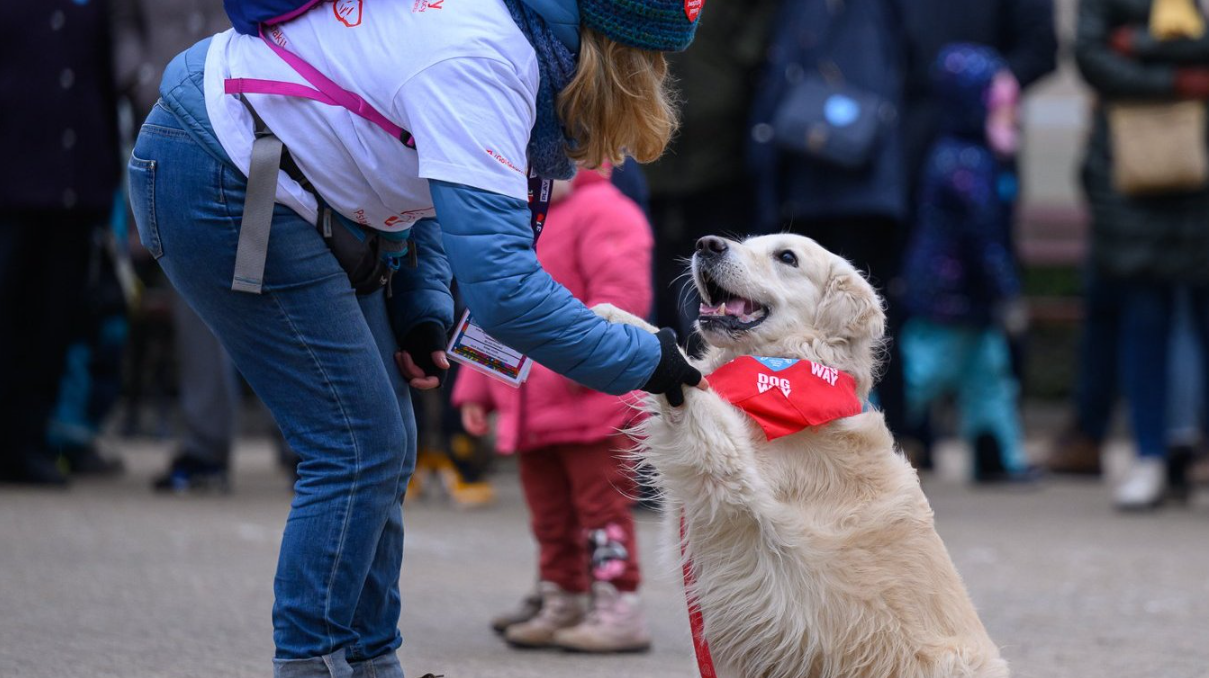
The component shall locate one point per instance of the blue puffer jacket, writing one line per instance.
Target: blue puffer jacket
(488, 245)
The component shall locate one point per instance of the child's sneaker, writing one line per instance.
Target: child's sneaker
(615, 624)
(530, 606)
(560, 610)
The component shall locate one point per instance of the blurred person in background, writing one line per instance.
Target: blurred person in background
(91, 384)
(960, 278)
(60, 130)
(1022, 32)
(1150, 213)
(826, 142)
(148, 33)
(570, 452)
(699, 186)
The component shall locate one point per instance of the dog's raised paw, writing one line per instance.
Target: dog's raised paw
(616, 315)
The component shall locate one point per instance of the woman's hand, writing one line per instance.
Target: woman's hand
(418, 378)
(421, 358)
(673, 372)
(474, 420)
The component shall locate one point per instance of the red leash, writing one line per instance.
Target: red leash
(696, 621)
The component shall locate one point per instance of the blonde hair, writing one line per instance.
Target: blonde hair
(619, 103)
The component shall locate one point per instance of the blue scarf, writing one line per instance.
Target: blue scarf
(548, 142)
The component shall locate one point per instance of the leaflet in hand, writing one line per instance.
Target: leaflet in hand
(474, 348)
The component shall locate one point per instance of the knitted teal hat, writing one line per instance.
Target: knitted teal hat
(656, 25)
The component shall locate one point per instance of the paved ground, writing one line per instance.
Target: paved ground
(108, 580)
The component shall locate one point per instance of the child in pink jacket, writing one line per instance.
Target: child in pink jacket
(576, 482)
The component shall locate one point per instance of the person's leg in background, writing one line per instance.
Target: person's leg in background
(600, 489)
(933, 357)
(91, 383)
(988, 399)
(1144, 347)
(1077, 449)
(561, 548)
(40, 279)
(209, 400)
(307, 348)
(1196, 474)
(1185, 398)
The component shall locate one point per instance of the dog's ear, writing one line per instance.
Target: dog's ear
(851, 309)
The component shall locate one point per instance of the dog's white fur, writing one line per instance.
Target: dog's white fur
(815, 555)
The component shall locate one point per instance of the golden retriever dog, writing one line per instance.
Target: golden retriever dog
(815, 555)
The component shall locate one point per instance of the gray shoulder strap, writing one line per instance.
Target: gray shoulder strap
(261, 197)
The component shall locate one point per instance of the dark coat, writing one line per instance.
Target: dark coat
(1020, 30)
(1160, 239)
(58, 118)
(863, 41)
(715, 79)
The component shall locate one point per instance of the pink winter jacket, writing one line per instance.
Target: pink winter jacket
(598, 244)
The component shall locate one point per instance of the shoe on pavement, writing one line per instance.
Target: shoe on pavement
(1074, 453)
(530, 606)
(86, 460)
(989, 469)
(560, 610)
(39, 469)
(188, 474)
(615, 624)
(1144, 486)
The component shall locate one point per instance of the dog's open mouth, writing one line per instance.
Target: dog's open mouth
(725, 310)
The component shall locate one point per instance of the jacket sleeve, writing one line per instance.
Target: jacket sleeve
(1109, 73)
(614, 253)
(1192, 52)
(421, 294)
(490, 247)
(1031, 48)
(472, 387)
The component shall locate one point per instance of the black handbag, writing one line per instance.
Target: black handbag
(828, 119)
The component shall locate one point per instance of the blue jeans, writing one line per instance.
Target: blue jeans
(1148, 310)
(321, 359)
(1096, 386)
(975, 363)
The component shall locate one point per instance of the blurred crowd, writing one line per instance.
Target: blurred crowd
(887, 130)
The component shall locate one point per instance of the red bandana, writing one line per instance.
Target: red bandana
(785, 396)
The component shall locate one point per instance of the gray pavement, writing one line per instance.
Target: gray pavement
(109, 580)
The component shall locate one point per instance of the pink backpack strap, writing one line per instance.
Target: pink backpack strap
(325, 91)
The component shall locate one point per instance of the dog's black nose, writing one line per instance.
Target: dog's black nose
(711, 246)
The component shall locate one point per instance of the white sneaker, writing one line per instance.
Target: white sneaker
(1144, 485)
(615, 624)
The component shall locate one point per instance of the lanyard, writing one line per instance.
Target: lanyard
(539, 203)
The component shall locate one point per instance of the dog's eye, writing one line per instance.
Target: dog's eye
(788, 258)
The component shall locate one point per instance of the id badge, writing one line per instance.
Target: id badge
(474, 348)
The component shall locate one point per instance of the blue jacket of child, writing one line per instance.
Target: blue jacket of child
(959, 266)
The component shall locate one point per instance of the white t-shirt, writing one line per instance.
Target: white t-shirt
(458, 74)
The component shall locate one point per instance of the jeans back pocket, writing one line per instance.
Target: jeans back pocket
(142, 203)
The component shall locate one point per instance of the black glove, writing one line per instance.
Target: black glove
(420, 343)
(673, 372)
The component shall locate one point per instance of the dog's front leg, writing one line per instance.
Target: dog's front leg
(704, 455)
